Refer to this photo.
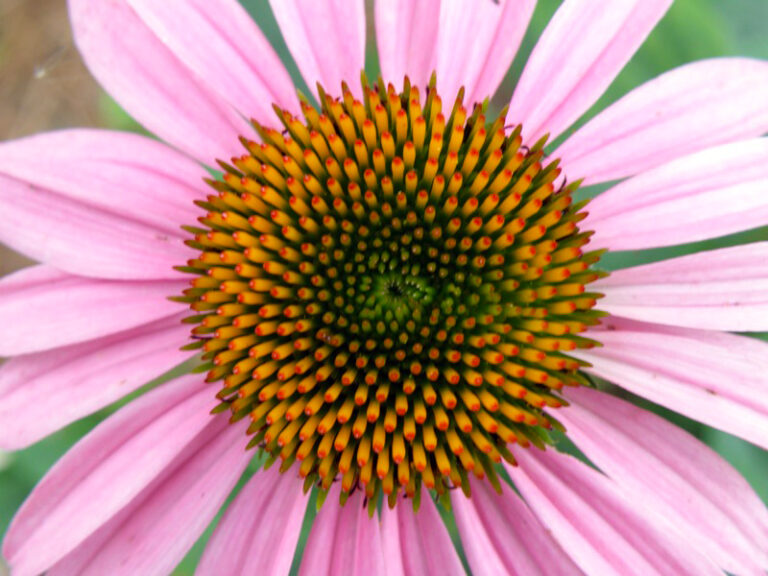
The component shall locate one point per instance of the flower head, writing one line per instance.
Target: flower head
(391, 295)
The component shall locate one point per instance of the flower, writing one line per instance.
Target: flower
(387, 277)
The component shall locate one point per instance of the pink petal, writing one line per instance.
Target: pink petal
(121, 173)
(155, 531)
(260, 528)
(719, 379)
(500, 535)
(476, 44)
(688, 109)
(582, 50)
(99, 203)
(327, 40)
(105, 471)
(220, 42)
(417, 543)
(603, 532)
(712, 193)
(667, 472)
(83, 239)
(725, 289)
(406, 35)
(41, 393)
(152, 83)
(47, 308)
(344, 540)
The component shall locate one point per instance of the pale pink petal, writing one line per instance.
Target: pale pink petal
(43, 308)
(220, 42)
(99, 203)
(406, 35)
(260, 528)
(667, 472)
(725, 289)
(417, 543)
(717, 378)
(688, 109)
(121, 173)
(43, 392)
(156, 530)
(602, 530)
(708, 194)
(84, 239)
(476, 43)
(500, 535)
(152, 83)
(582, 50)
(318, 552)
(105, 471)
(326, 38)
(344, 540)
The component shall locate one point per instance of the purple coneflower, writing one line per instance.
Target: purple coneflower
(390, 296)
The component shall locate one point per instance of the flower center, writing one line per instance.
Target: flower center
(390, 292)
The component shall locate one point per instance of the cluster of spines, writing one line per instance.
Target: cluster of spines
(391, 294)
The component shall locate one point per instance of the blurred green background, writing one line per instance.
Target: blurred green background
(45, 86)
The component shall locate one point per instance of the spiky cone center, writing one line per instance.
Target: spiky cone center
(390, 292)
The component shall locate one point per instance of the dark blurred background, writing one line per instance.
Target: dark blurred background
(44, 86)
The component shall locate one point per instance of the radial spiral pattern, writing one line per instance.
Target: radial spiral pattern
(389, 292)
